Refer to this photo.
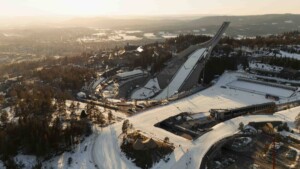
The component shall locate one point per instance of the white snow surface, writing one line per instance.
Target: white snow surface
(149, 90)
(182, 74)
(261, 89)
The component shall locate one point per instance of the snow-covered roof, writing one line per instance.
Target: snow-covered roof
(150, 89)
(130, 73)
(81, 95)
(140, 49)
(265, 67)
(290, 55)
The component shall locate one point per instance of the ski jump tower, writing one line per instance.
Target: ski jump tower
(186, 74)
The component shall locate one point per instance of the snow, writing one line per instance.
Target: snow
(278, 79)
(149, 90)
(2, 165)
(265, 67)
(289, 116)
(182, 74)
(292, 135)
(151, 36)
(130, 73)
(140, 49)
(198, 115)
(96, 83)
(289, 21)
(103, 147)
(81, 95)
(290, 55)
(107, 151)
(82, 106)
(223, 130)
(260, 89)
(81, 159)
(28, 160)
(187, 154)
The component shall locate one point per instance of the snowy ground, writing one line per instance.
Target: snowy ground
(260, 89)
(107, 153)
(187, 154)
(182, 74)
(81, 158)
(29, 161)
(150, 89)
(1, 164)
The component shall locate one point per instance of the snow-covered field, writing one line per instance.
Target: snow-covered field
(260, 89)
(149, 90)
(182, 74)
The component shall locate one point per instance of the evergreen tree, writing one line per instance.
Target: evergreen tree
(110, 116)
(4, 117)
(125, 126)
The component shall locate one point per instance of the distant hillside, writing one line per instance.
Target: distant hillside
(240, 25)
(251, 25)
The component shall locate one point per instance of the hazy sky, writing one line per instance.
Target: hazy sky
(146, 7)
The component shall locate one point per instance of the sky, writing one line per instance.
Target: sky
(145, 7)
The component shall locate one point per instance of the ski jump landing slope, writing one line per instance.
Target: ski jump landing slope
(182, 74)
